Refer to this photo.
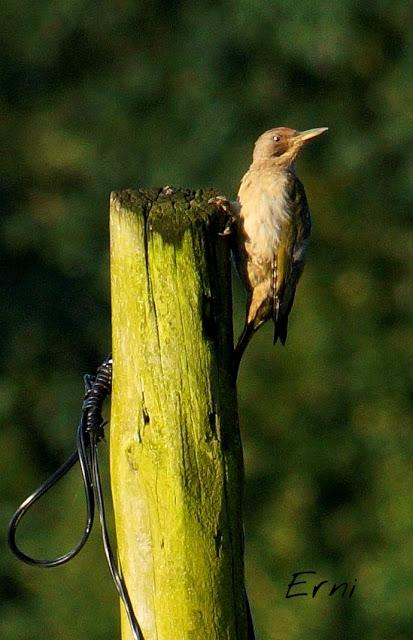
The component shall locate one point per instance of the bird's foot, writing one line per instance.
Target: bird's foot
(224, 205)
(221, 202)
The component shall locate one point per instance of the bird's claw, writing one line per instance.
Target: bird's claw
(221, 202)
(224, 205)
(229, 227)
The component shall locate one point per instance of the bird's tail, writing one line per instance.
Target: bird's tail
(242, 344)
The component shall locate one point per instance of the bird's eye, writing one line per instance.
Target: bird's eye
(276, 138)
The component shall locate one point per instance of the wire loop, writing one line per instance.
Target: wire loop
(88, 434)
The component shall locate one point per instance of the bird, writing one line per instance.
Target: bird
(270, 225)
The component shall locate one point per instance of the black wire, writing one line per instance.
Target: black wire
(88, 434)
(34, 497)
(115, 573)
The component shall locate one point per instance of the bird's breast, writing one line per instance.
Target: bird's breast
(264, 214)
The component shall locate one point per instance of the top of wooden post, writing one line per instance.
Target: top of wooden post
(188, 207)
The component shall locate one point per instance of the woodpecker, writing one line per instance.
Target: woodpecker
(270, 226)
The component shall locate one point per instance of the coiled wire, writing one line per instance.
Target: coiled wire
(88, 434)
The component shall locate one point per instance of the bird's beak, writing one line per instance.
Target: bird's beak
(304, 136)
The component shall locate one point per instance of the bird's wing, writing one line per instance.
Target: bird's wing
(290, 257)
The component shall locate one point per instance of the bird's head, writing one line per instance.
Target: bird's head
(282, 145)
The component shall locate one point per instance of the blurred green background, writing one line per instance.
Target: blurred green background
(105, 95)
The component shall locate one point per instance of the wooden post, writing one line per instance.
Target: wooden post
(176, 456)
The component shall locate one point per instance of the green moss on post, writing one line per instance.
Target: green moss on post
(176, 457)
